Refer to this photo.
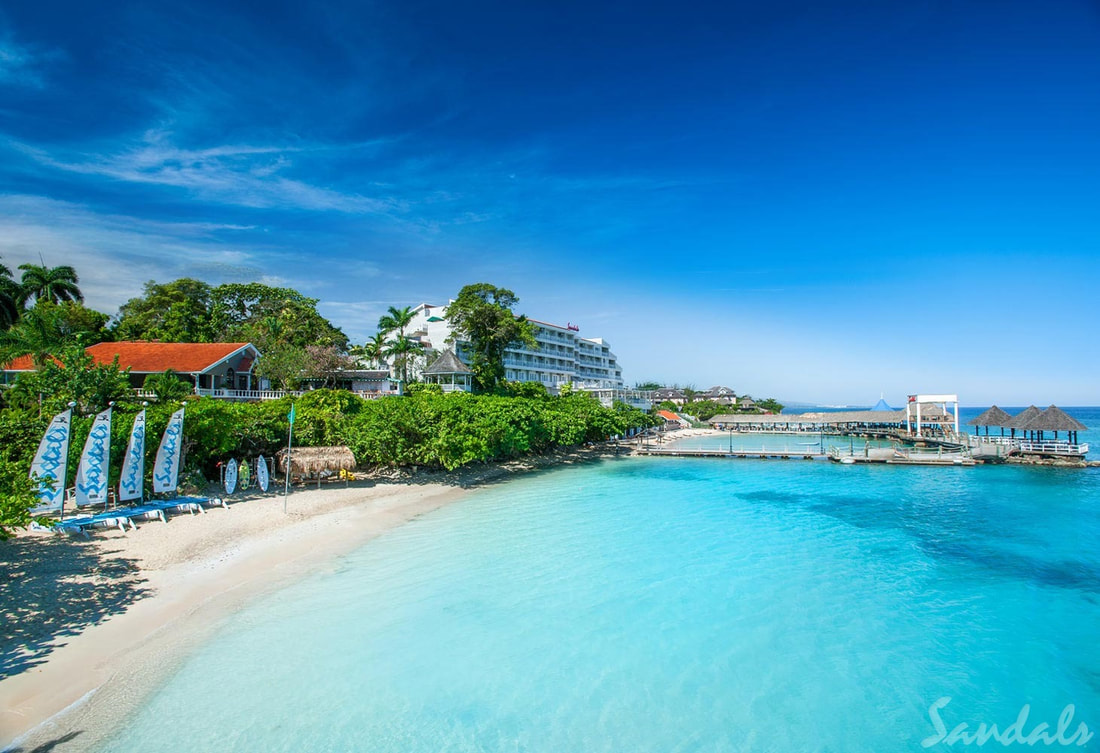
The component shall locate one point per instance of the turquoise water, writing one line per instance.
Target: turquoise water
(753, 442)
(671, 604)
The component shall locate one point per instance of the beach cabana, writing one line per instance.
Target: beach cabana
(317, 461)
(1055, 419)
(1020, 420)
(992, 417)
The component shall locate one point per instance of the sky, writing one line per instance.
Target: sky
(818, 201)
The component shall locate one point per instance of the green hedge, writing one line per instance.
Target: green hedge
(426, 429)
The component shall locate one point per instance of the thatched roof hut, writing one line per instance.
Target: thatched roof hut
(1021, 418)
(307, 461)
(1055, 419)
(992, 417)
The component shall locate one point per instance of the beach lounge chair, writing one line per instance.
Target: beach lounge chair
(192, 504)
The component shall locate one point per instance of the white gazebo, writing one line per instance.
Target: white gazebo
(913, 408)
(449, 373)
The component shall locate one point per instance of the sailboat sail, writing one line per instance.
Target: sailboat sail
(91, 474)
(166, 469)
(131, 483)
(51, 462)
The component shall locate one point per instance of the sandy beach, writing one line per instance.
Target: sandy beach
(91, 626)
(94, 622)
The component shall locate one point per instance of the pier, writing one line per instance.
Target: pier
(886, 455)
(922, 426)
(761, 454)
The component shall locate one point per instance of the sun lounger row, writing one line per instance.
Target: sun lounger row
(123, 516)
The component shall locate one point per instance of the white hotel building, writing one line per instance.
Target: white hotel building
(562, 356)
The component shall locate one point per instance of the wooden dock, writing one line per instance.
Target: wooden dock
(883, 456)
(740, 454)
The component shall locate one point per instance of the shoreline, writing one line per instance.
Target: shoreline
(181, 580)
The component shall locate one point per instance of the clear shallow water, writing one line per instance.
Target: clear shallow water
(666, 604)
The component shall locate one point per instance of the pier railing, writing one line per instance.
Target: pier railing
(1050, 447)
(1009, 445)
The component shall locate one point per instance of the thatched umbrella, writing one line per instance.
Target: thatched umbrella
(1020, 420)
(1055, 419)
(992, 417)
(307, 461)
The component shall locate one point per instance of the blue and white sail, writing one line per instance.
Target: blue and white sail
(132, 482)
(166, 469)
(91, 474)
(51, 463)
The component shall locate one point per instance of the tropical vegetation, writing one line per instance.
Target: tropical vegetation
(426, 429)
(43, 317)
(482, 316)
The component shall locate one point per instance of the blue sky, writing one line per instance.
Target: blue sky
(817, 201)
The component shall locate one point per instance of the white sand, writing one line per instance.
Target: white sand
(199, 569)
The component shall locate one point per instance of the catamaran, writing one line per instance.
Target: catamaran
(92, 482)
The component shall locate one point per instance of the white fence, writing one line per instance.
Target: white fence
(253, 396)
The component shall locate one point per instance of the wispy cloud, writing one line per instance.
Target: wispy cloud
(116, 254)
(242, 175)
(20, 64)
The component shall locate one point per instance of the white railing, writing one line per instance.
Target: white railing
(1053, 448)
(977, 440)
(260, 395)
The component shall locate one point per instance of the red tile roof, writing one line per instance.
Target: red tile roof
(668, 415)
(23, 363)
(144, 357)
(152, 358)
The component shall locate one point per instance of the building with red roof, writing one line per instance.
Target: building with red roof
(207, 366)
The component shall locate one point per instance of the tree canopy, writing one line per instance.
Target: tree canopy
(188, 310)
(177, 311)
(482, 316)
(10, 294)
(55, 284)
(261, 313)
(47, 328)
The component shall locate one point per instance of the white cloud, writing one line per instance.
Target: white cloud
(115, 255)
(242, 175)
(20, 64)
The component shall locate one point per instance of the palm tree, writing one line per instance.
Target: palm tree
(395, 320)
(37, 335)
(402, 348)
(10, 296)
(375, 348)
(55, 284)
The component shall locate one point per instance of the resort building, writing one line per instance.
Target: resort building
(363, 382)
(561, 356)
(718, 394)
(208, 367)
(669, 395)
(220, 370)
